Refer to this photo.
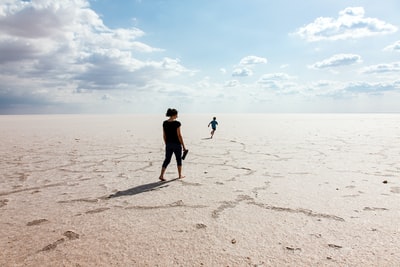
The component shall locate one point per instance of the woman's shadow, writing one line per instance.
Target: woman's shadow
(142, 189)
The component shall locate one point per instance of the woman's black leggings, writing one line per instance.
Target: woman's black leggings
(171, 148)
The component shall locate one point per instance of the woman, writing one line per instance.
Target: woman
(173, 142)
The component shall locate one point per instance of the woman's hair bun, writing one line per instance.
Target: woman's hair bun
(171, 112)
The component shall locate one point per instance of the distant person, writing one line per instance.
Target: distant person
(173, 142)
(213, 124)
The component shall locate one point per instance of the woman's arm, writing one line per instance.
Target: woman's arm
(180, 138)
(164, 137)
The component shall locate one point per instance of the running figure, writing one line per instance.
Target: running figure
(213, 124)
(173, 142)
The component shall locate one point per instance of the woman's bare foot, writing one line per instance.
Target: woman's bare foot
(162, 178)
(182, 176)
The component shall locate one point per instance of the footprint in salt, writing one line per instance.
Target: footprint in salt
(189, 183)
(71, 235)
(374, 209)
(23, 176)
(36, 222)
(3, 202)
(201, 226)
(68, 234)
(96, 210)
(52, 245)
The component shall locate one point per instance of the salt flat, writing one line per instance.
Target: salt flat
(267, 190)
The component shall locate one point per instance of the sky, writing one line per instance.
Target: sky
(208, 56)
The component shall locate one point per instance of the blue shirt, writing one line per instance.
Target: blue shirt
(214, 124)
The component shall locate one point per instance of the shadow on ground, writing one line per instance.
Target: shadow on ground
(142, 189)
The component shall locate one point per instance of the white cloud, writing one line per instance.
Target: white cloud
(350, 24)
(342, 90)
(337, 61)
(325, 87)
(242, 72)
(278, 81)
(246, 66)
(393, 47)
(382, 68)
(345, 89)
(252, 60)
(232, 83)
(276, 77)
(106, 97)
(365, 87)
(65, 47)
